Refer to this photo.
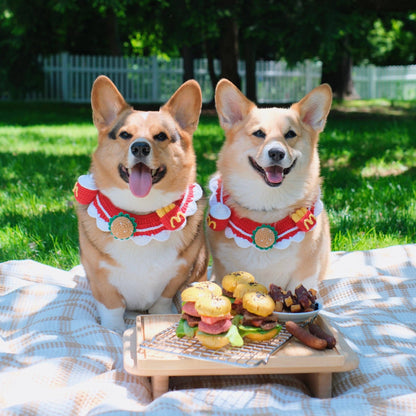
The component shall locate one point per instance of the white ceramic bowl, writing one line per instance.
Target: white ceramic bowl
(298, 316)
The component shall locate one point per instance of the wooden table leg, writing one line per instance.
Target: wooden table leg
(320, 384)
(160, 385)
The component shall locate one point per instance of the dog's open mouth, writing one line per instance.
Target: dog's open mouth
(272, 175)
(141, 178)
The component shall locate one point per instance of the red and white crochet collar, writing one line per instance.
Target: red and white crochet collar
(248, 233)
(141, 229)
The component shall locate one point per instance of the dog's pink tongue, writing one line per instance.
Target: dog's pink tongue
(140, 180)
(274, 174)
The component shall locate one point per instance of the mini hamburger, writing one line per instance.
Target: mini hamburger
(215, 330)
(258, 322)
(230, 281)
(239, 292)
(229, 284)
(190, 319)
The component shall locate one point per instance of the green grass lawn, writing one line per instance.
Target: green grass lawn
(368, 153)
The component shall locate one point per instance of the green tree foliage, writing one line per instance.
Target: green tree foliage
(393, 40)
(337, 32)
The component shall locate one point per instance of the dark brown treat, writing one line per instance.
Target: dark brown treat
(276, 293)
(316, 330)
(305, 337)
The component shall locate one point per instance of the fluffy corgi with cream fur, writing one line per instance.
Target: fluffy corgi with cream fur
(266, 215)
(140, 215)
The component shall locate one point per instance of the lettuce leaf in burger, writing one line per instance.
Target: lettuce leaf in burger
(257, 322)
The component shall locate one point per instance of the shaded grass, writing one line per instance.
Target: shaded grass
(368, 155)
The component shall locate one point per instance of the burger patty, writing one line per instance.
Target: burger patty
(266, 323)
(193, 321)
(227, 293)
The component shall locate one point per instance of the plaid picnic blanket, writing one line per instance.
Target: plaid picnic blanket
(55, 359)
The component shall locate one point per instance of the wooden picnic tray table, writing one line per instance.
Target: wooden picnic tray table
(291, 357)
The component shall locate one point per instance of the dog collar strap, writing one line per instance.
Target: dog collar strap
(141, 229)
(248, 233)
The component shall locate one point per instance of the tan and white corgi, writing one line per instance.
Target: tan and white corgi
(266, 215)
(140, 213)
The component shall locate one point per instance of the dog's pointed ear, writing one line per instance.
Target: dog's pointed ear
(231, 104)
(314, 107)
(185, 105)
(106, 102)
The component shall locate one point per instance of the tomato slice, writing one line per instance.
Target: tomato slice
(256, 322)
(214, 319)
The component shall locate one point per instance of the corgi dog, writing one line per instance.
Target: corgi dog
(266, 216)
(140, 211)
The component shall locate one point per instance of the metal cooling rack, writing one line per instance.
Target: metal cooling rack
(250, 354)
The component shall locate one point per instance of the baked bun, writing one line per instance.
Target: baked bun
(214, 288)
(213, 342)
(258, 336)
(213, 306)
(193, 293)
(230, 281)
(258, 303)
(243, 288)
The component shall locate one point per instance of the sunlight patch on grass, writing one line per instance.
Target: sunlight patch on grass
(51, 139)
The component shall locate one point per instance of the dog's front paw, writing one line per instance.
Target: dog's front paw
(112, 318)
(162, 306)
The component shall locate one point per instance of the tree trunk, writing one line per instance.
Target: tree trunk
(229, 50)
(339, 77)
(188, 63)
(211, 70)
(250, 59)
(113, 36)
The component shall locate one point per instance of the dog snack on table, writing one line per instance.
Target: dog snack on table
(243, 308)
(316, 337)
(215, 330)
(258, 322)
(305, 336)
(230, 281)
(316, 330)
(188, 324)
(239, 292)
(301, 301)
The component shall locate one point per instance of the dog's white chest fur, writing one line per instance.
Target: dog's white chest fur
(143, 272)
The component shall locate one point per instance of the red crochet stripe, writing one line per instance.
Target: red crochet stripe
(248, 226)
(169, 221)
(142, 221)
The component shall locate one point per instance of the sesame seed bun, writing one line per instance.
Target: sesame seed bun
(258, 303)
(213, 287)
(243, 288)
(230, 281)
(213, 306)
(193, 293)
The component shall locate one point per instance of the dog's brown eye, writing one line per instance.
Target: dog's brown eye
(290, 134)
(259, 133)
(124, 135)
(160, 137)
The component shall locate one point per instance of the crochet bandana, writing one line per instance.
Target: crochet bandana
(124, 225)
(248, 233)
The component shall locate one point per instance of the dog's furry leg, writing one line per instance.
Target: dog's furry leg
(196, 271)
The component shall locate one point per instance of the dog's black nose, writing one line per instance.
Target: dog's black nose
(276, 154)
(140, 149)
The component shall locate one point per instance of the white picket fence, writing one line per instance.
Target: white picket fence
(69, 78)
